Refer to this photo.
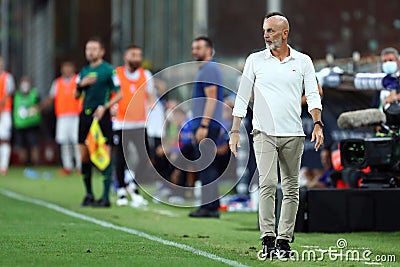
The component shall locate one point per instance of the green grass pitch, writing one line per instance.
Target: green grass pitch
(32, 235)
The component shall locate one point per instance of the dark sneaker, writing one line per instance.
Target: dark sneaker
(204, 213)
(88, 201)
(268, 244)
(283, 248)
(102, 203)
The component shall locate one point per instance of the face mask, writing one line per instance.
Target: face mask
(389, 67)
(24, 87)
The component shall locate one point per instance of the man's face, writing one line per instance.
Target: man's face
(390, 63)
(67, 69)
(273, 35)
(390, 57)
(133, 57)
(93, 51)
(200, 50)
(25, 85)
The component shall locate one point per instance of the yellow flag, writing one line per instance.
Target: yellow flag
(96, 144)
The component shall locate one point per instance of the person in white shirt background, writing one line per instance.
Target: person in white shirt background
(391, 66)
(67, 110)
(277, 76)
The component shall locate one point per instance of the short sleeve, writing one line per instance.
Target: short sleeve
(211, 75)
(149, 83)
(52, 92)
(10, 85)
(80, 76)
(115, 83)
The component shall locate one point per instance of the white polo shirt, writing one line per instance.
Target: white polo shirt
(278, 88)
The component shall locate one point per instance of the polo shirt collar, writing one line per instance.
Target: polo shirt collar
(293, 53)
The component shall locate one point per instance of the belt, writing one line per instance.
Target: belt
(255, 132)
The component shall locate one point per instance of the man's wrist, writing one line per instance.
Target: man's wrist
(233, 132)
(318, 123)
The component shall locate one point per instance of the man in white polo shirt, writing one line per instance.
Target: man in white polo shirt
(277, 76)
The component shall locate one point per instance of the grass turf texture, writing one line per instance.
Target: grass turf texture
(31, 235)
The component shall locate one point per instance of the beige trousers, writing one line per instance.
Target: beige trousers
(268, 150)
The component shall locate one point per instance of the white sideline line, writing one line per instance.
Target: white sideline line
(105, 224)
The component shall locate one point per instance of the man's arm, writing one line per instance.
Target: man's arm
(83, 83)
(150, 90)
(211, 93)
(117, 97)
(321, 93)
(52, 93)
(10, 85)
(314, 102)
(10, 88)
(234, 138)
(209, 107)
(317, 134)
(241, 102)
(100, 110)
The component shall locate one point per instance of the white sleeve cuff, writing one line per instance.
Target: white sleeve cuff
(239, 112)
(314, 105)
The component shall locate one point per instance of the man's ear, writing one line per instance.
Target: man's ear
(285, 34)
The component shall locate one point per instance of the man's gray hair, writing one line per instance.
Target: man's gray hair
(390, 50)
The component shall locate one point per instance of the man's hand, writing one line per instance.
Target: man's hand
(99, 112)
(317, 136)
(87, 81)
(201, 134)
(234, 143)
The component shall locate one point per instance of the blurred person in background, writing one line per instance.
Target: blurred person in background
(96, 82)
(67, 109)
(182, 154)
(7, 87)
(223, 152)
(184, 147)
(207, 117)
(391, 66)
(155, 125)
(27, 119)
(137, 88)
(318, 179)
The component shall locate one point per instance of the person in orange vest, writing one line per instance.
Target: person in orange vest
(129, 126)
(7, 87)
(67, 110)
